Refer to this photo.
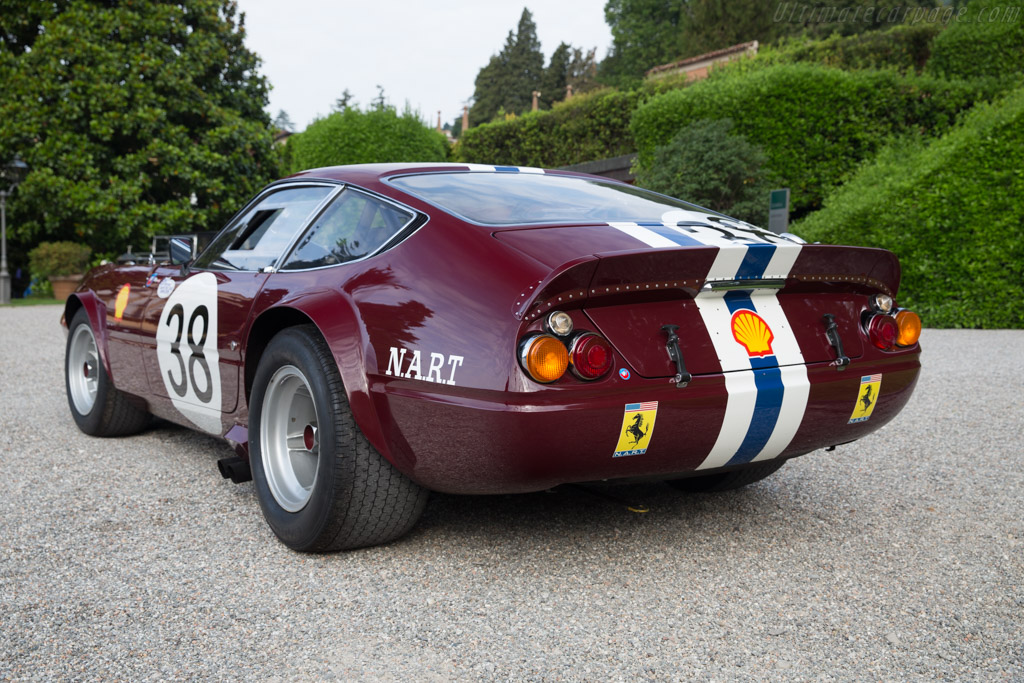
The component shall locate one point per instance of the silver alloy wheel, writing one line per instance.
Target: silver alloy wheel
(83, 369)
(289, 438)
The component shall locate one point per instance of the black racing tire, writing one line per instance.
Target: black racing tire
(726, 481)
(334, 491)
(98, 407)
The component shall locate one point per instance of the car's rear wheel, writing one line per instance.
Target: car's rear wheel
(320, 483)
(98, 408)
(725, 481)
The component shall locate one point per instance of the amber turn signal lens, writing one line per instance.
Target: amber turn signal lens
(545, 358)
(910, 328)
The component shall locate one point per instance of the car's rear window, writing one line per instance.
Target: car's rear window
(517, 198)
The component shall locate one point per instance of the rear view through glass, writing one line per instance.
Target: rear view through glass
(518, 198)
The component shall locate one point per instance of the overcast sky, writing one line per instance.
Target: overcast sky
(427, 53)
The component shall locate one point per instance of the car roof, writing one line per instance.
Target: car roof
(356, 173)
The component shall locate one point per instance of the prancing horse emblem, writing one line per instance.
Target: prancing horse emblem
(635, 430)
(866, 398)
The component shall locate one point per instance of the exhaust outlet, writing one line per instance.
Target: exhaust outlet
(236, 469)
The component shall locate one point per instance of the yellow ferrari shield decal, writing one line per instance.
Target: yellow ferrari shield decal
(637, 429)
(870, 387)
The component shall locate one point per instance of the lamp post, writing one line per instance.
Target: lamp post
(13, 173)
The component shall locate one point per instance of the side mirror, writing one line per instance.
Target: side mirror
(181, 251)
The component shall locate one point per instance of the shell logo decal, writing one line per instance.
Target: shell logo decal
(752, 332)
(122, 301)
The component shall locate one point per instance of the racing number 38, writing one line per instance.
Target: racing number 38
(186, 348)
(187, 371)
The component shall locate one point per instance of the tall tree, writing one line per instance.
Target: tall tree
(284, 122)
(583, 70)
(135, 118)
(508, 80)
(556, 76)
(569, 66)
(346, 100)
(645, 33)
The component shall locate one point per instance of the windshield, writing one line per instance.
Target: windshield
(518, 198)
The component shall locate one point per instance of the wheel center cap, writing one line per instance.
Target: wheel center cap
(309, 437)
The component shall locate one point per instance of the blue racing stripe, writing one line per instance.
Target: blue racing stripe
(767, 380)
(755, 262)
(670, 234)
(737, 300)
(766, 414)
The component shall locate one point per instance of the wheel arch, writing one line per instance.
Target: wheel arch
(97, 312)
(337, 322)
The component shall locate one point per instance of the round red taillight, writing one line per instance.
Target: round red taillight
(883, 331)
(591, 356)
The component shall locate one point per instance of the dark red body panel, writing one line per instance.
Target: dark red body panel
(426, 336)
(490, 444)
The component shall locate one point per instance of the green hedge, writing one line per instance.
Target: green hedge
(587, 127)
(952, 211)
(906, 47)
(986, 42)
(816, 124)
(357, 137)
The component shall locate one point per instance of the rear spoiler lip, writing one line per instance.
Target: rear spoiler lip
(579, 279)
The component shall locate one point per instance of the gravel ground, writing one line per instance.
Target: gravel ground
(899, 557)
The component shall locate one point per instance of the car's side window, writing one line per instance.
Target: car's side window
(258, 238)
(354, 226)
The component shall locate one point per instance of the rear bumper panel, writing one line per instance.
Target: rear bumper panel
(462, 441)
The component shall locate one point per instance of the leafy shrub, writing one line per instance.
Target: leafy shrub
(987, 42)
(816, 124)
(707, 165)
(358, 137)
(587, 127)
(951, 211)
(907, 47)
(55, 259)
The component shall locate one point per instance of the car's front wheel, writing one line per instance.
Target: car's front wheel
(320, 483)
(97, 406)
(726, 481)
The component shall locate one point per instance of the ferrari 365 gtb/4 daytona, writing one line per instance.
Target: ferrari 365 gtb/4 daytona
(363, 335)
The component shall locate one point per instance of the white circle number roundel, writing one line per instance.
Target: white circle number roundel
(186, 348)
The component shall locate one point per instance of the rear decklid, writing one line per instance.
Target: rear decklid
(741, 297)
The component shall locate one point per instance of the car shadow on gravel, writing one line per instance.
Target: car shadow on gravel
(638, 514)
(627, 516)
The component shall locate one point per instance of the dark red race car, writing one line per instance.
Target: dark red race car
(362, 335)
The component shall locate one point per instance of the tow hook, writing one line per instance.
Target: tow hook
(832, 333)
(682, 377)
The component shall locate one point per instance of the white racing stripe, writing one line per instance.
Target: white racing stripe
(738, 413)
(718, 322)
(794, 403)
(739, 435)
(782, 260)
(645, 235)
